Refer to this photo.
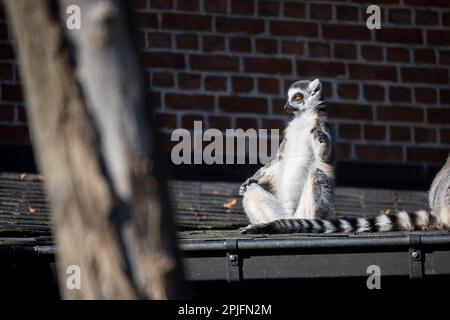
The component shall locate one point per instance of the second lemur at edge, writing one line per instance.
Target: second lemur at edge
(294, 192)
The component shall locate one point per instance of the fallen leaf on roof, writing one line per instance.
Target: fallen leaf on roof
(230, 203)
(31, 210)
(22, 176)
(386, 211)
(215, 192)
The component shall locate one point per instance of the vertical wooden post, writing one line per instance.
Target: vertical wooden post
(95, 144)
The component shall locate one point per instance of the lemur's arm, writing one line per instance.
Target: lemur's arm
(323, 143)
(265, 174)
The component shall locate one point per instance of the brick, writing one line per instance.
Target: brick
(246, 123)
(155, 98)
(366, 72)
(372, 132)
(320, 69)
(343, 150)
(424, 56)
(429, 3)
(244, 25)
(215, 83)
(438, 37)
(350, 32)
(294, 9)
(320, 11)
(400, 133)
(399, 35)
(402, 16)
(427, 18)
(215, 6)
(425, 75)
(242, 84)
(268, 85)
(187, 41)
(244, 7)
(186, 22)
(350, 131)
(438, 115)
(268, 8)
(444, 57)
(293, 28)
(446, 19)
(6, 51)
(426, 95)
(347, 13)
(162, 79)
(425, 135)
(213, 43)
(165, 120)
(187, 121)
(271, 124)
(218, 122)
(159, 40)
(445, 136)
(164, 60)
(6, 71)
(14, 134)
(267, 46)
(268, 65)
(11, 92)
(349, 111)
(189, 81)
(292, 47)
(372, 53)
(189, 102)
(400, 94)
(397, 54)
(147, 20)
(374, 92)
(379, 153)
(240, 44)
(218, 63)
(188, 5)
(278, 106)
(344, 50)
(400, 114)
(139, 4)
(430, 155)
(445, 96)
(243, 104)
(348, 91)
(161, 4)
(319, 50)
(6, 113)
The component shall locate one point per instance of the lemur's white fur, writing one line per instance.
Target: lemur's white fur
(302, 168)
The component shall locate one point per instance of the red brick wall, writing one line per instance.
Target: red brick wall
(229, 62)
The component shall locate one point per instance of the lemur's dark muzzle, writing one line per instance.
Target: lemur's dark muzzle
(288, 107)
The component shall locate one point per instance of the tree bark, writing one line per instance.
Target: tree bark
(94, 141)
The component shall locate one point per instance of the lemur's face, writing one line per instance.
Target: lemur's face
(303, 94)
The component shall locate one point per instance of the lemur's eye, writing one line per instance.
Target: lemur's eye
(298, 98)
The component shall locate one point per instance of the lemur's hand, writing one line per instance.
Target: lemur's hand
(245, 185)
(319, 135)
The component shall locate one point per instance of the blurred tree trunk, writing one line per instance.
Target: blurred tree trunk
(94, 142)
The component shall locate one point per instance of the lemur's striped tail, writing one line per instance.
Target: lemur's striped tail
(398, 221)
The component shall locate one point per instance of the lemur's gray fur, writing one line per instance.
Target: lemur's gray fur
(294, 192)
(299, 182)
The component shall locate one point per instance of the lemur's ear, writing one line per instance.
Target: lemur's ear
(314, 86)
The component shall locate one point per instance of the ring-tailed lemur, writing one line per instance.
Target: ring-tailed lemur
(294, 192)
(436, 219)
(299, 182)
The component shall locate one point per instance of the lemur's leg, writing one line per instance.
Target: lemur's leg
(261, 206)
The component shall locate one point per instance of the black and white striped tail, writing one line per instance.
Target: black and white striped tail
(398, 221)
